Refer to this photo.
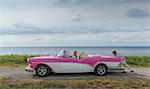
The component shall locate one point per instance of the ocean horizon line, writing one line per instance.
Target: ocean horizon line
(70, 46)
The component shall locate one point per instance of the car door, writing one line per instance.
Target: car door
(70, 65)
(73, 65)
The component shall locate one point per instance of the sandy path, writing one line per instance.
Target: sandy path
(19, 73)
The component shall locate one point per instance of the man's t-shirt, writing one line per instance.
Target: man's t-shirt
(121, 57)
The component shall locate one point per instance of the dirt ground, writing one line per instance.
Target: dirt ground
(20, 73)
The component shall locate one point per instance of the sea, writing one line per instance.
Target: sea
(102, 50)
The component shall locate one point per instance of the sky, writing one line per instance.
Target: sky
(74, 23)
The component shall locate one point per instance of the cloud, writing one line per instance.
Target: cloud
(81, 2)
(38, 39)
(26, 29)
(73, 2)
(130, 1)
(21, 4)
(135, 13)
(20, 29)
(77, 18)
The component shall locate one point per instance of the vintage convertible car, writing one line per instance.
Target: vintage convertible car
(45, 65)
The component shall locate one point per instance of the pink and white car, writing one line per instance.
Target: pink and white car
(98, 64)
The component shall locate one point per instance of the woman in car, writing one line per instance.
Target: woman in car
(75, 55)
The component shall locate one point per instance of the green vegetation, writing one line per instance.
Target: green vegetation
(100, 83)
(138, 61)
(15, 60)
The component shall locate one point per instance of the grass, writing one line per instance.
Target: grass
(20, 60)
(100, 83)
(14, 60)
(138, 61)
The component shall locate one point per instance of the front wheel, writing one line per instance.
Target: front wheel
(42, 70)
(100, 70)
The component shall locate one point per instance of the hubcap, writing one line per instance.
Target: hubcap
(101, 70)
(42, 70)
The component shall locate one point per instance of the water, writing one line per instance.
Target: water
(124, 50)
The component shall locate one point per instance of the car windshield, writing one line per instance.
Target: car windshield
(63, 53)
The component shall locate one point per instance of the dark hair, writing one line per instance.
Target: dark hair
(114, 52)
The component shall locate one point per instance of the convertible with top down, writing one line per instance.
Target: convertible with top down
(45, 65)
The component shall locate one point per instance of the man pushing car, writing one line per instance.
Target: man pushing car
(123, 63)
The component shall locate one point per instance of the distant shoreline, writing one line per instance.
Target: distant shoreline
(103, 50)
(78, 46)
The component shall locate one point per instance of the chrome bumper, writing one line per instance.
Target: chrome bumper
(29, 69)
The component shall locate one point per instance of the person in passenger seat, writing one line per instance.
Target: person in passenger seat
(75, 54)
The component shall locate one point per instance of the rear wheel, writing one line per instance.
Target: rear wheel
(42, 70)
(100, 70)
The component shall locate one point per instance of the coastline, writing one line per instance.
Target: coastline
(53, 50)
